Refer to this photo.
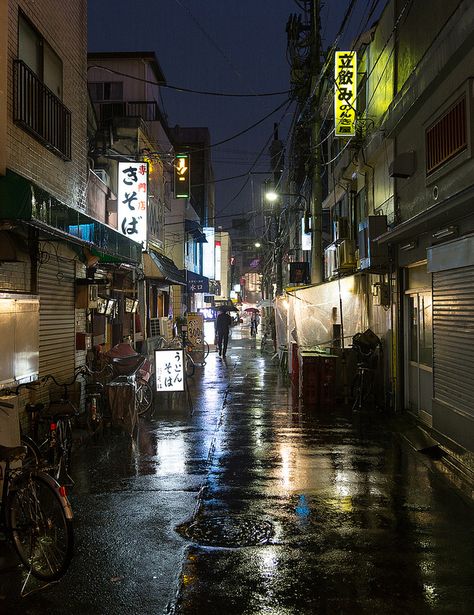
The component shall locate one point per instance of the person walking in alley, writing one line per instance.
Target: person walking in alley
(223, 323)
(254, 322)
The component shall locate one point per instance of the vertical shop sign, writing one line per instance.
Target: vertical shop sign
(182, 185)
(345, 93)
(208, 253)
(218, 260)
(195, 334)
(132, 200)
(169, 370)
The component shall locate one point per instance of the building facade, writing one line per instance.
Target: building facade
(398, 195)
(49, 230)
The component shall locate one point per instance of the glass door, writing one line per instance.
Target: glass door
(419, 353)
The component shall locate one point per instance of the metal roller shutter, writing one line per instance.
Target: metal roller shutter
(57, 324)
(453, 338)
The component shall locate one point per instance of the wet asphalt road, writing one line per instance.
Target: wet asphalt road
(251, 506)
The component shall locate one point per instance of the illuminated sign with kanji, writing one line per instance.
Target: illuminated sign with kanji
(182, 187)
(132, 200)
(345, 93)
(169, 370)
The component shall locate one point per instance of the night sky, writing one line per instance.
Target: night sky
(218, 46)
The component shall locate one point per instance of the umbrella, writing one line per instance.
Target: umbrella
(252, 311)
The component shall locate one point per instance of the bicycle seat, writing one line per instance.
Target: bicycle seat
(8, 453)
(59, 409)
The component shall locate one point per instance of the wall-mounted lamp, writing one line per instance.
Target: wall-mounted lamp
(449, 231)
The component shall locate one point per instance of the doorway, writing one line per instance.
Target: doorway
(419, 343)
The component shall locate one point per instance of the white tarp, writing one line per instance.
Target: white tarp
(307, 316)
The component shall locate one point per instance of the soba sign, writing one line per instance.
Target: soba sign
(132, 200)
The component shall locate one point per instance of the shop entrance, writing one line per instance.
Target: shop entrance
(419, 343)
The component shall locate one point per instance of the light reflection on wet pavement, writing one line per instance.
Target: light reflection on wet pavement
(299, 512)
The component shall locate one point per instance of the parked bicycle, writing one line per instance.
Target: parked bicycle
(50, 443)
(366, 345)
(125, 361)
(35, 516)
(94, 396)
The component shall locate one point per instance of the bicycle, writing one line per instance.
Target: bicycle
(54, 443)
(125, 362)
(363, 390)
(95, 403)
(36, 517)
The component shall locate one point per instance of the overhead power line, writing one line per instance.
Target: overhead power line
(188, 90)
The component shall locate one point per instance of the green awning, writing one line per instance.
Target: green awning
(22, 200)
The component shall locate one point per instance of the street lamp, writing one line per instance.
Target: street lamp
(271, 196)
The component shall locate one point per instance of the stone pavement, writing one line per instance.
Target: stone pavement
(252, 506)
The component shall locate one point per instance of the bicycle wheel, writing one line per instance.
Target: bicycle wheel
(40, 520)
(205, 349)
(144, 397)
(61, 452)
(190, 365)
(32, 459)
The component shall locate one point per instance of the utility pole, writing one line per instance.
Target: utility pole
(277, 163)
(316, 170)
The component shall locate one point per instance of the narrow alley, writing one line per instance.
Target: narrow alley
(248, 505)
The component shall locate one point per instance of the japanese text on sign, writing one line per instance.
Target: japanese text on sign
(169, 370)
(132, 200)
(345, 93)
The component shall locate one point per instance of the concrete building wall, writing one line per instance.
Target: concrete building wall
(441, 89)
(64, 27)
(420, 26)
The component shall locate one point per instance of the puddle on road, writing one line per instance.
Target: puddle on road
(231, 531)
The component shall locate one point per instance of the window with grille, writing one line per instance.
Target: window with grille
(446, 137)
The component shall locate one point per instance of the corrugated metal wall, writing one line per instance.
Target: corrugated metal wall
(57, 326)
(453, 332)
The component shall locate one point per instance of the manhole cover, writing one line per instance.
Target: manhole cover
(228, 531)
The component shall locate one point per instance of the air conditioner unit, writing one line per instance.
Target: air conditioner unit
(330, 262)
(103, 176)
(341, 229)
(166, 328)
(345, 255)
(372, 255)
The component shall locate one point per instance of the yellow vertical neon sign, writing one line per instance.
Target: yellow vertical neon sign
(182, 176)
(345, 93)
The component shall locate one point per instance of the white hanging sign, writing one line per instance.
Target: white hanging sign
(132, 200)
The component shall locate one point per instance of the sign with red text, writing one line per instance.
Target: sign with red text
(132, 200)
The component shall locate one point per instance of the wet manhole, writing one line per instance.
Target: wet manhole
(229, 531)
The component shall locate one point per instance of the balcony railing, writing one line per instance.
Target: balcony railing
(146, 110)
(38, 111)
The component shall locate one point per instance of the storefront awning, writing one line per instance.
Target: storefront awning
(160, 267)
(24, 201)
(195, 230)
